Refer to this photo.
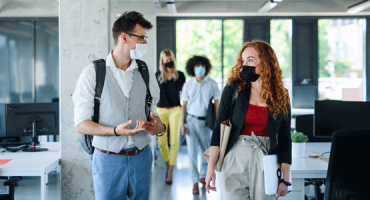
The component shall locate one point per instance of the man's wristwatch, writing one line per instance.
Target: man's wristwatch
(160, 134)
(285, 182)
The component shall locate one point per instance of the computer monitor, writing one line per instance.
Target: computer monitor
(31, 119)
(333, 115)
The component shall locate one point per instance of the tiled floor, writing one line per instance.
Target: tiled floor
(181, 188)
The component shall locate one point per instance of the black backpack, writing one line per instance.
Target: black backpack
(100, 69)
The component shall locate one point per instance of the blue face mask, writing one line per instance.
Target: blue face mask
(200, 71)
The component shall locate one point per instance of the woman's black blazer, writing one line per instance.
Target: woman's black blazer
(278, 129)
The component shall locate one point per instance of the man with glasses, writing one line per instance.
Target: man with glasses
(143, 38)
(122, 160)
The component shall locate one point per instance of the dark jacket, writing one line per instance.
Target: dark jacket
(278, 129)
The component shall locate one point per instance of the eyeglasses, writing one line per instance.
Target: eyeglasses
(143, 38)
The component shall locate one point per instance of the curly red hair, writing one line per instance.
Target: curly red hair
(272, 89)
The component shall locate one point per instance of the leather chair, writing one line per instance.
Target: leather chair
(348, 171)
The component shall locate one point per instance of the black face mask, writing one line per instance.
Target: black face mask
(169, 64)
(249, 73)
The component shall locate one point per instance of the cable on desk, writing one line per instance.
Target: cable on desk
(324, 153)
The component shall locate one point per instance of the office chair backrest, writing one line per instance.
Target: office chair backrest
(348, 172)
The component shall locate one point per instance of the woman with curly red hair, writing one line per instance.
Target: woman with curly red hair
(258, 107)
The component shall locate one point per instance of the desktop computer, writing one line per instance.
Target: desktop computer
(28, 120)
(334, 115)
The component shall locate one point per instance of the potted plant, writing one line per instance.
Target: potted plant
(298, 144)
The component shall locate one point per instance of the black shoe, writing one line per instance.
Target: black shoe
(168, 182)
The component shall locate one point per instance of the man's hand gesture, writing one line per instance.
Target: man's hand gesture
(123, 129)
(155, 125)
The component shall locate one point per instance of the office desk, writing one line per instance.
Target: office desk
(32, 163)
(306, 167)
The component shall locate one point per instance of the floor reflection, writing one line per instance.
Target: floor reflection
(181, 188)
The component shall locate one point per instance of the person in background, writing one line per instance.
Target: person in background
(195, 98)
(170, 82)
(260, 116)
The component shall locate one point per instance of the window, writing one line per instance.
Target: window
(202, 38)
(281, 42)
(233, 42)
(341, 59)
(205, 37)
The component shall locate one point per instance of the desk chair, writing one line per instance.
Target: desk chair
(348, 171)
(11, 183)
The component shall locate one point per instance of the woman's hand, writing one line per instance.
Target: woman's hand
(211, 175)
(183, 129)
(282, 190)
(211, 178)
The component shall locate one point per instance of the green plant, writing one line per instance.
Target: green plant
(299, 137)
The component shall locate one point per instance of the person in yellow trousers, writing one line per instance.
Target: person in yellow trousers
(170, 82)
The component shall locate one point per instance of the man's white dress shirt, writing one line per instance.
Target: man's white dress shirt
(83, 96)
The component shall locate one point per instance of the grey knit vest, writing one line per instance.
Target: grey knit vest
(116, 109)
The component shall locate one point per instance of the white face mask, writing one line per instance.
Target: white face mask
(139, 52)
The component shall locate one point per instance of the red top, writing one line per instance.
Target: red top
(256, 120)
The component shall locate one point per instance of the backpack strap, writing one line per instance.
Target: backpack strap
(143, 69)
(100, 70)
(86, 140)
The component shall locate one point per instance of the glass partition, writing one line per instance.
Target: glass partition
(29, 60)
(16, 62)
(47, 61)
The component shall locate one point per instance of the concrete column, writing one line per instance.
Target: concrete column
(83, 33)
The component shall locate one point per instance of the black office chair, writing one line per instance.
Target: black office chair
(348, 172)
(11, 183)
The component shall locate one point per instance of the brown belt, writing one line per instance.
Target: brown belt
(126, 153)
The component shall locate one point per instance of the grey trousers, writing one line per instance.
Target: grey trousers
(242, 170)
(197, 135)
